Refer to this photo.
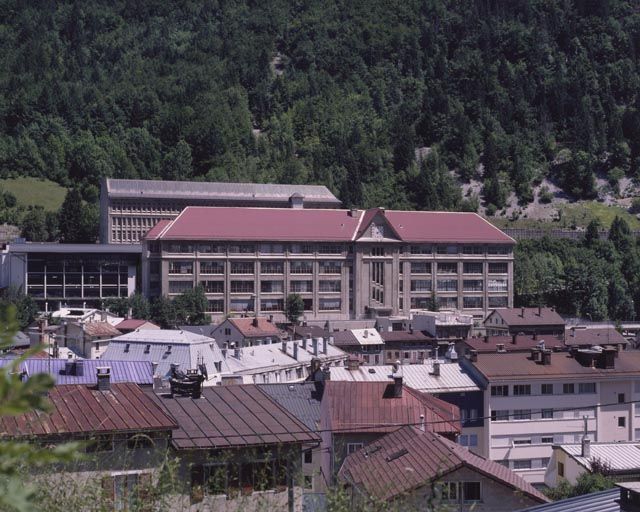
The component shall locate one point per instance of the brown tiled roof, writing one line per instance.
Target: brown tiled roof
(224, 223)
(301, 331)
(100, 329)
(597, 336)
(249, 330)
(514, 317)
(519, 364)
(410, 458)
(131, 324)
(523, 342)
(344, 338)
(371, 407)
(80, 409)
(404, 336)
(233, 416)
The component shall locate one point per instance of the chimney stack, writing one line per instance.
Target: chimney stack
(224, 353)
(473, 356)
(352, 364)
(295, 350)
(586, 442)
(486, 339)
(410, 328)
(284, 346)
(423, 427)
(539, 310)
(314, 342)
(325, 342)
(236, 352)
(522, 312)
(436, 368)
(304, 341)
(255, 321)
(514, 339)
(103, 373)
(397, 385)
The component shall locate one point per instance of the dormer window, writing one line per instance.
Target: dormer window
(147, 349)
(126, 347)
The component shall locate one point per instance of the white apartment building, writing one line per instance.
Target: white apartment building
(538, 399)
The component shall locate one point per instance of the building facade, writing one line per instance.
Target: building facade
(130, 208)
(345, 264)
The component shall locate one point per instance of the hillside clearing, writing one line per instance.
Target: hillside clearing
(32, 191)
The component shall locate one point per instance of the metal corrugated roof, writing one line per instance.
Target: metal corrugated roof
(603, 501)
(619, 456)
(139, 372)
(301, 399)
(452, 377)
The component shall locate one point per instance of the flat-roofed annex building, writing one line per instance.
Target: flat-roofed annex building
(346, 264)
(130, 208)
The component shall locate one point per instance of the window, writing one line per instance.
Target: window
(521, 389)
(622, 421)
(241, 305)
(472, 267)
(272, 305)
(180, 267)
(447, 285)
(546, 440)
(499, 249)
(126, 490)
(330, 304)
(472, 285)
(448, 302)
(621, 399)
(468, 440)
(177, 247)
(420, 267)
(547, 414)
(213, 286)
(560, 469)
(301, 249)
(271, 287)
(330, 267)
(521, 441)
(180, 286)
(330, 286)
(498, 268)
(498, 415)
(301, 286)
(353, 447)
(308, 456)
(547, 389)
(242, 267)
(522, 464)
(447, 268)
(139, 442)
(471, 491)
(242, 249)
(271, 249)
(449, 491)
(330, 249)
(473, 249)
(227, 331)
(499, 390)
(241, 286)
(522, 414)
(586, 387)
(420, 302)
(498, 302)
(377, 251)
(472, 302)
(100, 443)
(301, 267)
(215, 306)
(545, 462)
(447, 249)
(568, 389)
(211, 248)
(497, 285)
(420, 249)
(271, 267)
(211, 267)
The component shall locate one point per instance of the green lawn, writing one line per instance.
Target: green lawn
(32, 191)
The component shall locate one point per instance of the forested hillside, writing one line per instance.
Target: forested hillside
(332, 92)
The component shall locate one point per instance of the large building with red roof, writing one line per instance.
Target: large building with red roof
(346, 264)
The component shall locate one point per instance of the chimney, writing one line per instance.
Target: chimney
(295, 350)
(103, 373)
(410, 328)
(284, 346)
(270, 319)
(436, 368)
(352, 364)
(325, 342)
(78, 368)
(353, 212)
(522, 312)
(586, 442)
(422, 424)
(315, 346)
(514, 339)
(539, 310)
(486, 339)
(224, 353)
(365, 334)
(397, 386)
(154, 367)
(69, 366)
(546, 357)
(157, 383)
(473, 356)
(255, 321)
(331, 340)
(535, 336)
(236, 352)
(304, 341)
(500, 348)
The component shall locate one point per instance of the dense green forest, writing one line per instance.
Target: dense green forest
(328, 91)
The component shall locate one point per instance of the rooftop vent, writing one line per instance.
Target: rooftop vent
(500, 348)
(103, 374)
(147, 349)
(397, 455)
(126, 347)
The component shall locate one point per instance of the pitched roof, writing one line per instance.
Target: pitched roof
(530, 316)
(360, 337)
(155, 232)
(100, 329)
(255, 327)
(138, 372)
(405, 336)
(371, 407)
(410, 458)
(301, 399)
(199, 190)
(519, 364)
(603, 501)
(523, 342)
(420, 377)
(232, 416)
(131, 324)
(80, 409)
(593, 336)
(287, 224)
(620, 457)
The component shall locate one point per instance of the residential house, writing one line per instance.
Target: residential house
(132, 324)
(127, 434)
(510, 321)
(408, 347)
(167, 349)
(447, 325)
(247, 332)
(355, 414)
(444, 380)
(288, 361)
(88, 339)
(413, 466)
(587, 337)
(513, 343)
(539, 399)
(345, 264)
(366, 344)
(237, 447)
(84, 371)
(619, 461)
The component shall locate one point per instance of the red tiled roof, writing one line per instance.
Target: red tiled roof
(233, 416)
(131, 324)
(78, 409)
(287, 224)
(596, 336)
(100, 329)
(390, 336)
(523, 342)
(371, 407)
(410, 458)
(516, 365)
(445, 227)
(155, 232)
(249, 330)
(531, 316)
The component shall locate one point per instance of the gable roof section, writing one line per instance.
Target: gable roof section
(325, 225)
(523, 342)
(621, 457)
(529, 316)
(100, 329)
(301, 399)
(233, 416)
(131, 324)
(249, 329)
(156, 231)
(78, 409)
(410, 458)
(369, 407)
(595, 336)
